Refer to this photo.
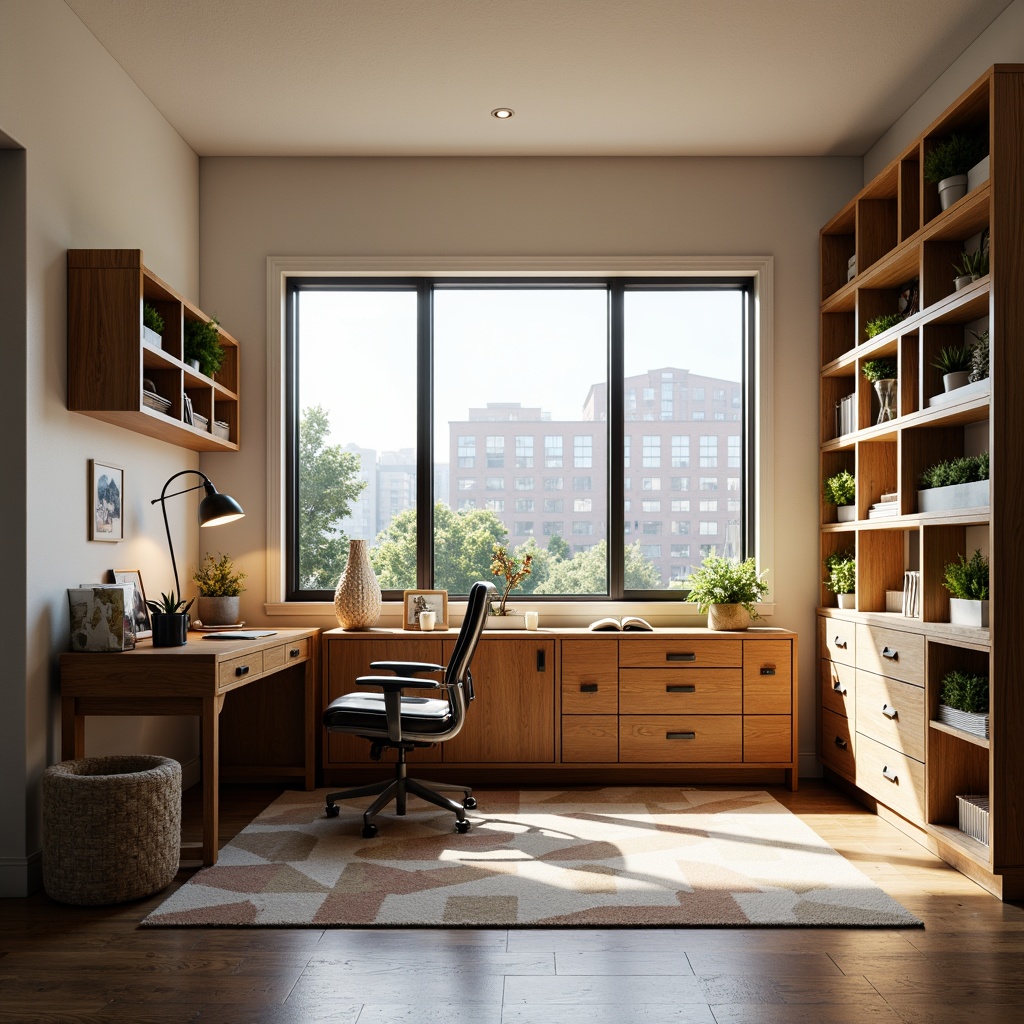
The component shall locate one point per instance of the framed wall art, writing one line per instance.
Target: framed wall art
(416, 601)
(106, 501)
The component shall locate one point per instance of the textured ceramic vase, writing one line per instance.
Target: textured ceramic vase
(357, 599)
(728, 616)
(219, 611)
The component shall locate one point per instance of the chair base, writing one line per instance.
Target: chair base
(398, 789)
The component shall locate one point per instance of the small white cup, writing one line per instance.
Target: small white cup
(428, 620)
(532, 619)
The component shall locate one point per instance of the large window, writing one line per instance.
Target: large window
(397, 387)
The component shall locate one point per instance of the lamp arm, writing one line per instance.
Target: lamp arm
(167, 527)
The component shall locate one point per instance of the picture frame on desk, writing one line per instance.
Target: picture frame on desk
(416, 601)
(143, 623)
(106, 501)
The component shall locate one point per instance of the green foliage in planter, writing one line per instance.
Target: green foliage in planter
(842, 572)
(966, 579)
(727, 581)
(965, 691)
(216, 577)
(151, 318)
(955, 154)
(841, 489)
(879, 369)
(979, 357)
(963, 470)
(882, 323)
(954, 359)
(170, 604)
(202, 342)
(973, 264)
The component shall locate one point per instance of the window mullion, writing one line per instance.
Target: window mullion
(616, 444)
(424, 435)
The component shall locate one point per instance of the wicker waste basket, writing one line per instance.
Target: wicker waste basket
(111, 827)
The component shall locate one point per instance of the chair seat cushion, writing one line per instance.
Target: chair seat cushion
(353, 712)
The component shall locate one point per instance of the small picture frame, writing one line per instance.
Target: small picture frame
(106, 501)
(143, 623)
(416, 601)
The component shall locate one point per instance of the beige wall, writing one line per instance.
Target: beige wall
(253, 208)
(102, 169)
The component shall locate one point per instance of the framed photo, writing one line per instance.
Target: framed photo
(143, 624)
(416, 601)
(106, 501)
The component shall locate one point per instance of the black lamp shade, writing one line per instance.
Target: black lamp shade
(217, 508)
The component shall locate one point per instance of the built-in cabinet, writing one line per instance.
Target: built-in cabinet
(118, 373)
(892, 250)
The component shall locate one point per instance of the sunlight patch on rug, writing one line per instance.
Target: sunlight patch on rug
(617, 856)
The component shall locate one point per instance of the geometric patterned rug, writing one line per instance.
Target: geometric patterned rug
(617, 856)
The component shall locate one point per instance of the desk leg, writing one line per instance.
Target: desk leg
(72, 731)
(211, 776)
(311, 722)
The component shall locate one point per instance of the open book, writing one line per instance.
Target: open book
(627, 622)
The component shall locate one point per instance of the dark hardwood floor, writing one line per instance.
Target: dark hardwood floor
(85, 965)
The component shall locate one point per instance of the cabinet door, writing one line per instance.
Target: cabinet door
(512, 718)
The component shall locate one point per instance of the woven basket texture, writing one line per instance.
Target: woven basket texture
(111, 828)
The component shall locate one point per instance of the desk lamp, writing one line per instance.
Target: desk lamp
(214, 509)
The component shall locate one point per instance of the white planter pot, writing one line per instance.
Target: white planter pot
(951, 189)
(977, 175)
(846, 513)
(970, 721)
(968, 613)
(952, 381)
(728, 616)
(512, 621)
(847, 601)
(151, 338)
(956, 496)
(962, 281)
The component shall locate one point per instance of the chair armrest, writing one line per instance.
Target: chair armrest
(391, 684)
(405, 667)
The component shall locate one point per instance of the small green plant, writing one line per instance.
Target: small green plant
(954, 359)
(202, 342)
(879, 369)
(840, 489)
(721, 580)
(955, 154)
(217, 577)
(151, 318)
(979, 357)
(967, 580)
(842, 572)
(973, 264)
(882, 323)
(965, 691)
(965, 469)
(170, 604)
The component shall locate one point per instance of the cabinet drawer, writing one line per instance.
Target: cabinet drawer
(590, 738)
(891, 652)
(767, 677)
(891, 712)
(590, 677)
(891, 778)
(285, 654)
(838, 688)
(661, 691)
(668, 652)
(768, 738)
(837, 744)
(678, 739)
(838, 639)
(248, 666)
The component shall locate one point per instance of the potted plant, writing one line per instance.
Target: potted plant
(882, 323)
(513, 570)
(979, 357)
(841, 567)
(881, 373)
(948, 161)
(219, 589)
(727, 589)
(841, 490)
(967, 581)
(202, 345)
(961, 482)
(963, 701)
(970, 267)
(152, 325)
(170, 620)
(954, 363)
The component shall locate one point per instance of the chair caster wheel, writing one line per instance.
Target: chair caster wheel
(462, 827)
(332, 810)
(369, 831)
(469, 803)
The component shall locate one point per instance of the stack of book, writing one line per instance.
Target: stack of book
(851, 267)
(911, 596)
(887, 505)
(845, 419)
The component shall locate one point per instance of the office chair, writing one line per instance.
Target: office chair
(389, 719)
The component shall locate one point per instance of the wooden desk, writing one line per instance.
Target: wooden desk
(189, 680)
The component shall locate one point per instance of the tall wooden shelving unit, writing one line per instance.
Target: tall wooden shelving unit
(881, 671)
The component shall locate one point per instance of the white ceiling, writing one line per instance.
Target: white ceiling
(585, 77)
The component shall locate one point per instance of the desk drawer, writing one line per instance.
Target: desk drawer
(590, 677)
(285, 654)
(247, 666)
(838, 639)
(838, 688)
(891, 778)
(679, 652)
(837, 744)
(661, 691)
(681, 739)
(590, 738)
(891, 712)
(768, 738)
(891, 652)
(767, 677)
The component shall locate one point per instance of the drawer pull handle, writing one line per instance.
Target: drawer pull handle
(841, 743)
(839, 642)
(680, 735)
(588, 687)
(681, 688)
(680, 656)
(889, 712)
(241, 670)
(541, 660)
(839, 688)
(890, 775)
(767, 671)
(294, 652)
(891, 653)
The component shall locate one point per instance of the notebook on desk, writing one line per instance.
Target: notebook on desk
(244, 634)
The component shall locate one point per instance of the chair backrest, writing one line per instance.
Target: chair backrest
(477, 605)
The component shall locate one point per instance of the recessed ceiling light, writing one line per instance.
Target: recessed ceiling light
(503, 113)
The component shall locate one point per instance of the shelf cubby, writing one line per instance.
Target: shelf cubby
(881, 563)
